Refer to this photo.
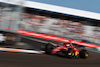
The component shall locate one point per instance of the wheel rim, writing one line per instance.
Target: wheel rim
(73, 54)
(86, 55)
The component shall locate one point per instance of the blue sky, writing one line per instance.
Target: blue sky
(87, 5)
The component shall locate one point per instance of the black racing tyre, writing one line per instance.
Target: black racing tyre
(48, 48)
(70, 53)
(83, 54)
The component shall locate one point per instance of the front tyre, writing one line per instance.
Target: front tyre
(83, 54)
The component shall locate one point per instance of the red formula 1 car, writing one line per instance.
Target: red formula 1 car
(65, 50)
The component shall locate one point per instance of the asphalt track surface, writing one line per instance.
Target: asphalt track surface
(8, 59)
(11, 59)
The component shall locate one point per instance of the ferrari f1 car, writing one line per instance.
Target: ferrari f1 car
(65, 50)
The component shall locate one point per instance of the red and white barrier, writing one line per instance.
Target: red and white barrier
(44, 36)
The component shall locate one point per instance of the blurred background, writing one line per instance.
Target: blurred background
(15, 16)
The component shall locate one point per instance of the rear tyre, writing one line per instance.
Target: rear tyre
(48, 48)
(83, 54)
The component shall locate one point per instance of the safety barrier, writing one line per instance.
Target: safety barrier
(44, 36)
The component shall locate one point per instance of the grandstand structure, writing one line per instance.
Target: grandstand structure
(49, 19)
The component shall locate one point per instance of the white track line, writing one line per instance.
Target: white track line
(21, 50)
